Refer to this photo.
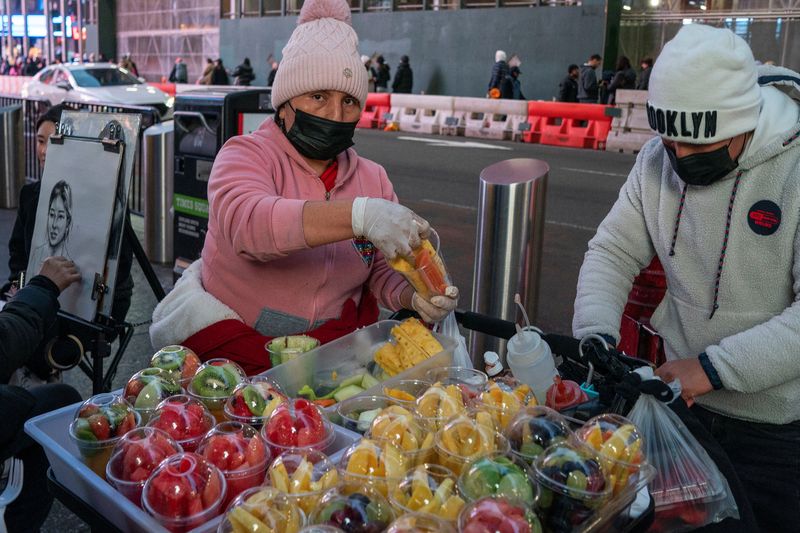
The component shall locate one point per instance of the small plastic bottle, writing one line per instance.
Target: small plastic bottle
(494, 367)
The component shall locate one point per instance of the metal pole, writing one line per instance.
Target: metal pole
(157, 173)
(79, 18)
(508, 244)
(64, 54)
(10, 39)
(25, 41)
(48, 36)
(12, 164)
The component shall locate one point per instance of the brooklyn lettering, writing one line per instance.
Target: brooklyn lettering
(697, 125)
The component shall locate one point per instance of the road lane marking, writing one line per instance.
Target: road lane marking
(573, 226)
(471, 208)
(445, 143)
(449, 204)
(594, 172)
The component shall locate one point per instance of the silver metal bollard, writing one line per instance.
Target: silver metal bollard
(508, 246)
(157, 177)
(12, 156)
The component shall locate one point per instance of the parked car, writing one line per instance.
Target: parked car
(102, 83)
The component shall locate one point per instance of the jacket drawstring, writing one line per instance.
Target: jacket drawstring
(724, 245)
(678, 221)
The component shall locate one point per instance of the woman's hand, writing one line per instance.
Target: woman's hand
(438, 307)
(393, 229)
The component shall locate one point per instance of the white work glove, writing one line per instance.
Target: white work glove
(393, 229)
(438, 307)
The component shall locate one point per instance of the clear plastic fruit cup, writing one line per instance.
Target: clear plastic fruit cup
(99, 424)
(498, 475)
(181, 363)
(373, 462)
(183, 418)
(284, 349)
(213, 384)
(357, 414)
(420, 523)
(535, 429)
(572, 485)
(321, 528)
(521, 390)
(467, 437)
(425, 269)
(406, 391)
(240, 452)
(262, 509)
(254, 400)
(619, 444)
(501, 404)
(471, 381)
(184, 492)
(135, 457)
(303, 477)
(354, 507)
(147, 388)
(406, 431)
(492, 514)
(430, 489)
(438, 404)
(298, 425)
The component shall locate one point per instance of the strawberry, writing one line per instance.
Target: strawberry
(100, 427)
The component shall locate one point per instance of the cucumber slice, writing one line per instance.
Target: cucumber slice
(365, 419)
(347, 392)
(369, 381)
(352, 380)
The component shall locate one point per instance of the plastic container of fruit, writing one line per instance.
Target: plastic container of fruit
(535, 429)
(424, 269)
(491, 514)
(147, 388)
(438, 404)
(420, 523)
(357, 413)
(498, 475)
(467, 437)
(98, 425)
(181, 363)
(183, 418)
(303, 477)
(185, 491)
(297, 425)
(355, 508)
(254, 400)
(521, 390)
(284, 349)
(471, 381)
(406, 431)
(404, 392)
(572, 486)
(373, 462)
(214, 382)
(321, 528)
(503, 405)
(429, 489)
(135, 457)
(262, 509)
(240, 453)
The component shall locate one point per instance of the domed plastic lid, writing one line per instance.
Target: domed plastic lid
(234, 448)
(262, 509)
(439, 403)
(471, 435)
(400, 427)
(254, 400)
(103, 418)
(138, 453)
(419, 523)
(572, 469)
(429, 489)
(185, 488)
(179, 361)
(619, 444)
(301, 473)
(522, 391)
(297, 424)
(184, 419)
(535, 429)
(501, 404)
(216, 379)
(497, 475)
(354, 507)
(370, 458)
(489, 515)
(321, 528)
(148, 387)
(470, 380)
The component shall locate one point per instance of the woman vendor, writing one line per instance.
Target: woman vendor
(299, 224)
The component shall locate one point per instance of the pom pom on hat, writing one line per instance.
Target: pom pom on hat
(322, 9)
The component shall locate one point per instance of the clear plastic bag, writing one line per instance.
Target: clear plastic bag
(449, 328)
(689, 490)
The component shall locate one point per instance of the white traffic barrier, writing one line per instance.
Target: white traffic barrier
(491, 119)
(630, 129)
(420, 113)
(12, 85)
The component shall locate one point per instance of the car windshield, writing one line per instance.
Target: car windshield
(102, 77)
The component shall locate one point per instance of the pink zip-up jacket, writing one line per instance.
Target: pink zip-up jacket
(256, 259)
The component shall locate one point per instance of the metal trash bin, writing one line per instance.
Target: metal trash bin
(158, 158)
(12, 156)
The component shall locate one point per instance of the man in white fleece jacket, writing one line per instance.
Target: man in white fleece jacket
(717, 198)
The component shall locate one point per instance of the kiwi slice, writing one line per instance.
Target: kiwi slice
(169, 358)
(214, 382)
(255, 402)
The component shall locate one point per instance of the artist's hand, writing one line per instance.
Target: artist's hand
(694, 381)
(437, 308)
(60, 271)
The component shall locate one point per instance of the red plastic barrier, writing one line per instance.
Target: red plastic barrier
(168, 88)
(378, 104)
(567, 124)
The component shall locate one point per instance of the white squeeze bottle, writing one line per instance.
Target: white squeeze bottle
(530, 359)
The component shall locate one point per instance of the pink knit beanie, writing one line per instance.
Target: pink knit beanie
(322, 54)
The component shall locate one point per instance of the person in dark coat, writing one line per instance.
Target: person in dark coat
(511, 88)
(273, 71)
(382, 75)
(644, 77)
(23, 325)
(624, 78)
(219, 76)
(499, 71)
(403, 78)
(243, 74)
(588, 88)
(568, 88)
(179, 72)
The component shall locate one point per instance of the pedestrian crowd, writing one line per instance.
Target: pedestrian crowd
(581, 84)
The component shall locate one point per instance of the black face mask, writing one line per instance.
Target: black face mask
(319, 138)
(702, 169)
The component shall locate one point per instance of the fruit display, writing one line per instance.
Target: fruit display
(99, 423)
(413, 343)
(471, 382)
(335, 388)
(184, 492)
(497, 475)
(467, 437)
(439, 403)
(181, 363)
(424, 269)
(373, 462)
(254, 400)
(428, 489)
(239, 451)
(498, 515)
(503, 405)
(406, 391)
(619, 444)
(184, 419)
(572, 486)
(419, 523)
(284, 349)
(522, 391)
(147, 388)
(304, 477)
(564, 394)
(214, 383)
(262, 510)
(135, 457)
(357, 414)
(354, 509)
(297, 424)
(535, 429)
(399, 426)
